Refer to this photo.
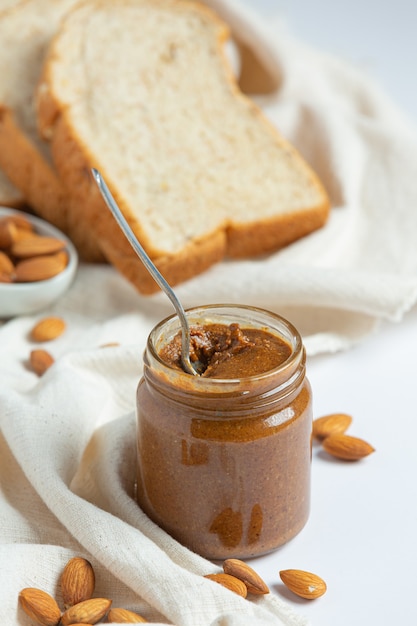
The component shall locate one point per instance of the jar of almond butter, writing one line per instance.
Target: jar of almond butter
(224, 457)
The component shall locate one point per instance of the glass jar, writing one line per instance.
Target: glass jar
(224, 464)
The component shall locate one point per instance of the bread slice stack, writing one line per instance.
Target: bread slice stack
(26, 29)
(142, 91)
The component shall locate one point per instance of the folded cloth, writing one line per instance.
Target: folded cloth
(68, 467)
(67, 442)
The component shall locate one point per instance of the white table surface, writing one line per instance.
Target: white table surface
(361, 535)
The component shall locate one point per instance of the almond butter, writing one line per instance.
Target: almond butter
(38, 268)
(37, 245)
(230, 582)
(303, 584)
(86, 612)
(40, 361)
(77, 581)
(346, 447)
(241, 570)
(335, 423)
(123, 616)
(47, 329)
(40, 606)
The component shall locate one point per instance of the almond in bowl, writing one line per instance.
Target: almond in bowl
(37, 263)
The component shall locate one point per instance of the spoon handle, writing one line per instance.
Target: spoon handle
(152, 269)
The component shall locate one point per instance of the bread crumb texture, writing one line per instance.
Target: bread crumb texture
(142, 91)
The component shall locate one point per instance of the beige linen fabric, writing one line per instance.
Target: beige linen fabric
(67, 442)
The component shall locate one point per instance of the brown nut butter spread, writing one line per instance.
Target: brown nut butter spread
(224, 458)
(228, 351)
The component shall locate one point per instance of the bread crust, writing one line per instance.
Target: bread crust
(74, 159)
(21, 159)
(10, 196)
(29, 171)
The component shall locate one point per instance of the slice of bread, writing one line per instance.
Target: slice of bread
(10, 196)
(142, 91)
(25, 32)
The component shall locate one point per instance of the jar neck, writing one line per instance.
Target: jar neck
(252, 393)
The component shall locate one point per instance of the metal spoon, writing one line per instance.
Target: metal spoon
(160, 280)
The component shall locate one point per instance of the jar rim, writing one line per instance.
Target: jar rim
(261, 318)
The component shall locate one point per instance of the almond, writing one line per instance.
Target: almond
(346, 447)
(21, 221)
(7, 234)
(40, 606)
(37, 245)
(230, 582)
(77, 581)
(304, 584)
(39, 268)
(40, 361)
(123, 616)
(23, 233)
(5, 278)
(6, 265)
(47, 329)
(336, 423)
(62, 257)
(86, 612)
(241, 570)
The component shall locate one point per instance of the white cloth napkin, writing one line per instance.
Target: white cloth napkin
(67, 442)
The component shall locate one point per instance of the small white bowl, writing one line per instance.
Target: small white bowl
(28, 298)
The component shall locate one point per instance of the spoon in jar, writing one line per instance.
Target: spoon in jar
(155, 273)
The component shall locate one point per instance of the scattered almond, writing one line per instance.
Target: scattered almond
(40, 606)
(47, 329)
(37, 245)
(40, 361)
(123, 616)
(230, 582)
(346, 447)
(77, 581)
(336, 423)
(241, 570)
(304, 584)
(86, 612)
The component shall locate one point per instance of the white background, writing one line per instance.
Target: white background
(361, 536)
